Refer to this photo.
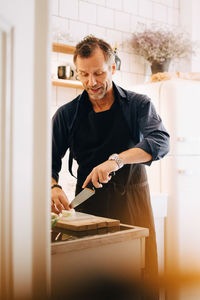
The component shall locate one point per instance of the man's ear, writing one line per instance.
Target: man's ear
(113, 68)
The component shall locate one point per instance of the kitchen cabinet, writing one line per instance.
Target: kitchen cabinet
(179, 108)
(178, 103)
(98, 254)
(183, 224)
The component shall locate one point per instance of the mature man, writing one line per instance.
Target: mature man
(109, 129)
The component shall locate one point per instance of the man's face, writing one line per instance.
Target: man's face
(95, 74)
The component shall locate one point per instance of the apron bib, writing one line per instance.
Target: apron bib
(126, 196)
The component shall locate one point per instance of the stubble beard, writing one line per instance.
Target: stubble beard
(101, 94)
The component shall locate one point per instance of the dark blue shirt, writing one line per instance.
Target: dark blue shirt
(143, 123)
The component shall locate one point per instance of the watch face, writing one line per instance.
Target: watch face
(116, 158)
(113, 157)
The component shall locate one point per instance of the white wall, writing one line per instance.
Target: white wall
(114, 21)
(189, 19)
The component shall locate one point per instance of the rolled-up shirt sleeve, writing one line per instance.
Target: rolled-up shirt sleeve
(60, 142)
(154, 139)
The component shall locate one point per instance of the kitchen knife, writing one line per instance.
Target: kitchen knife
(86, 193)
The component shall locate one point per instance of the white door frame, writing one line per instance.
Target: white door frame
(25, 136)
(6, 46)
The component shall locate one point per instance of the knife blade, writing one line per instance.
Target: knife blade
(85, 194)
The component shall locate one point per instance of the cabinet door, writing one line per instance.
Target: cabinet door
(180, 178)
(179, 109)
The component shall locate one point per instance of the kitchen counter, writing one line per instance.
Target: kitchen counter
(106, 251)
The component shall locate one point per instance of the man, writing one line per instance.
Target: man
(109, 129)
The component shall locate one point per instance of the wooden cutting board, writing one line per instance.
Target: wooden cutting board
(81, 222)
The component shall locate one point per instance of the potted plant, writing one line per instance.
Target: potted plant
(160, 45)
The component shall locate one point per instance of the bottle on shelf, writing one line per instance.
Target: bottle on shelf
(117, 59)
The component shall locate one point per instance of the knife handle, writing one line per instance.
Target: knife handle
(112, 174)
(91, 186)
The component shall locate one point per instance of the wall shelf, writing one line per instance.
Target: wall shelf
(67, 83)
(67, 49)
(63, 48)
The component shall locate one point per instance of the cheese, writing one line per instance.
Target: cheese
(68, 213)
(54, 219)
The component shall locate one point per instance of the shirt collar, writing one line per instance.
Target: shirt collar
(119, 91)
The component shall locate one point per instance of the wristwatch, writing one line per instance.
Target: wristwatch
(117, 159)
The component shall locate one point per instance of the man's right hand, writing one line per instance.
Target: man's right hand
(59, 200)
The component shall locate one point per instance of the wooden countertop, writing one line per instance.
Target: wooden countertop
(129, 233)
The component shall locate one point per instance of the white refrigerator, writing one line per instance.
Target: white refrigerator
(178, 174)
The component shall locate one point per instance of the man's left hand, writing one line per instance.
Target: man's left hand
(101, 174)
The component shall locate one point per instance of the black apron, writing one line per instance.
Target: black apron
(126, 196)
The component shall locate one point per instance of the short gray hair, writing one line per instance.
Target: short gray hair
(89, 44)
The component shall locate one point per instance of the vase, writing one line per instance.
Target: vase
(160, 66)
